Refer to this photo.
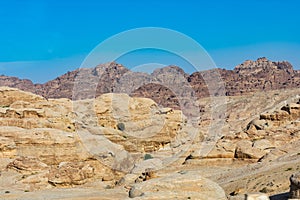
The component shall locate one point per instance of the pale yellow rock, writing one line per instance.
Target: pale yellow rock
(246, 150)
(70, 173)
(146, 127)
(11, 95)
(183, 185)
(27, 165)
(257, 196)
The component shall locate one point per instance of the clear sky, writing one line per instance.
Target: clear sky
(41, 39)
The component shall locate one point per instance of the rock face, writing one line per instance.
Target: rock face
(62, 143)
(260, 75)
(7, 147)
(27, 165)
(14, 82)
(138, 118)
(262, 136)
(256, 127)
(295, 186)
(39, 136)
(167, 86)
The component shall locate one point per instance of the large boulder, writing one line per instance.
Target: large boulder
(182, 185)
(246, 150)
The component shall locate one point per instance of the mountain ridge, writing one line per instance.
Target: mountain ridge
(250, 76)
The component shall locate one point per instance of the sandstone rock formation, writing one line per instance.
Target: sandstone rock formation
(182, 185)
(60, 143)
(39, 138)
(47, 144)
(140, 118)
(67, 173)
(264, 134)
(27, 165)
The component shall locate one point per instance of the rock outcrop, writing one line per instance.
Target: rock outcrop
(295, 186)
(256, 127)
(70, 173)
(38, 136)
(27, 165)
(167, 86)
(138, 118)
(62, 143)
(181, 185)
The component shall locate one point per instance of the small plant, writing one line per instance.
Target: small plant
(121, 126)
(26, 190)
(147, 156)
(264, 190)
(7, 192)
(289, 169)
(108, 187)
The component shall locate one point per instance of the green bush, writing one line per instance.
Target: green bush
(147, 156)
(121, 126)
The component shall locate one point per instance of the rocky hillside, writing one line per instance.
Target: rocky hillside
(14, 82)
(168, 86)
(58, 143)
(122, 147)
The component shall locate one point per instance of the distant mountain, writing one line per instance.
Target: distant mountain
(14, 82)
(167, 86)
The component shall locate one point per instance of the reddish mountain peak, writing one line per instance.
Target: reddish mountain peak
(264, 65)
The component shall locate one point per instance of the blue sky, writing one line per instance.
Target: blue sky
(41, 39)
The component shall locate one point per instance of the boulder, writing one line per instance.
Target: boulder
(246, 150)
(133, 192)
(187, 185)
(263, 144)
(258, 124)
(223, 149)
(128, 179)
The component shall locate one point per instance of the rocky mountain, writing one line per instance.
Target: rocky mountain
(169, 86)
(14, 82)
